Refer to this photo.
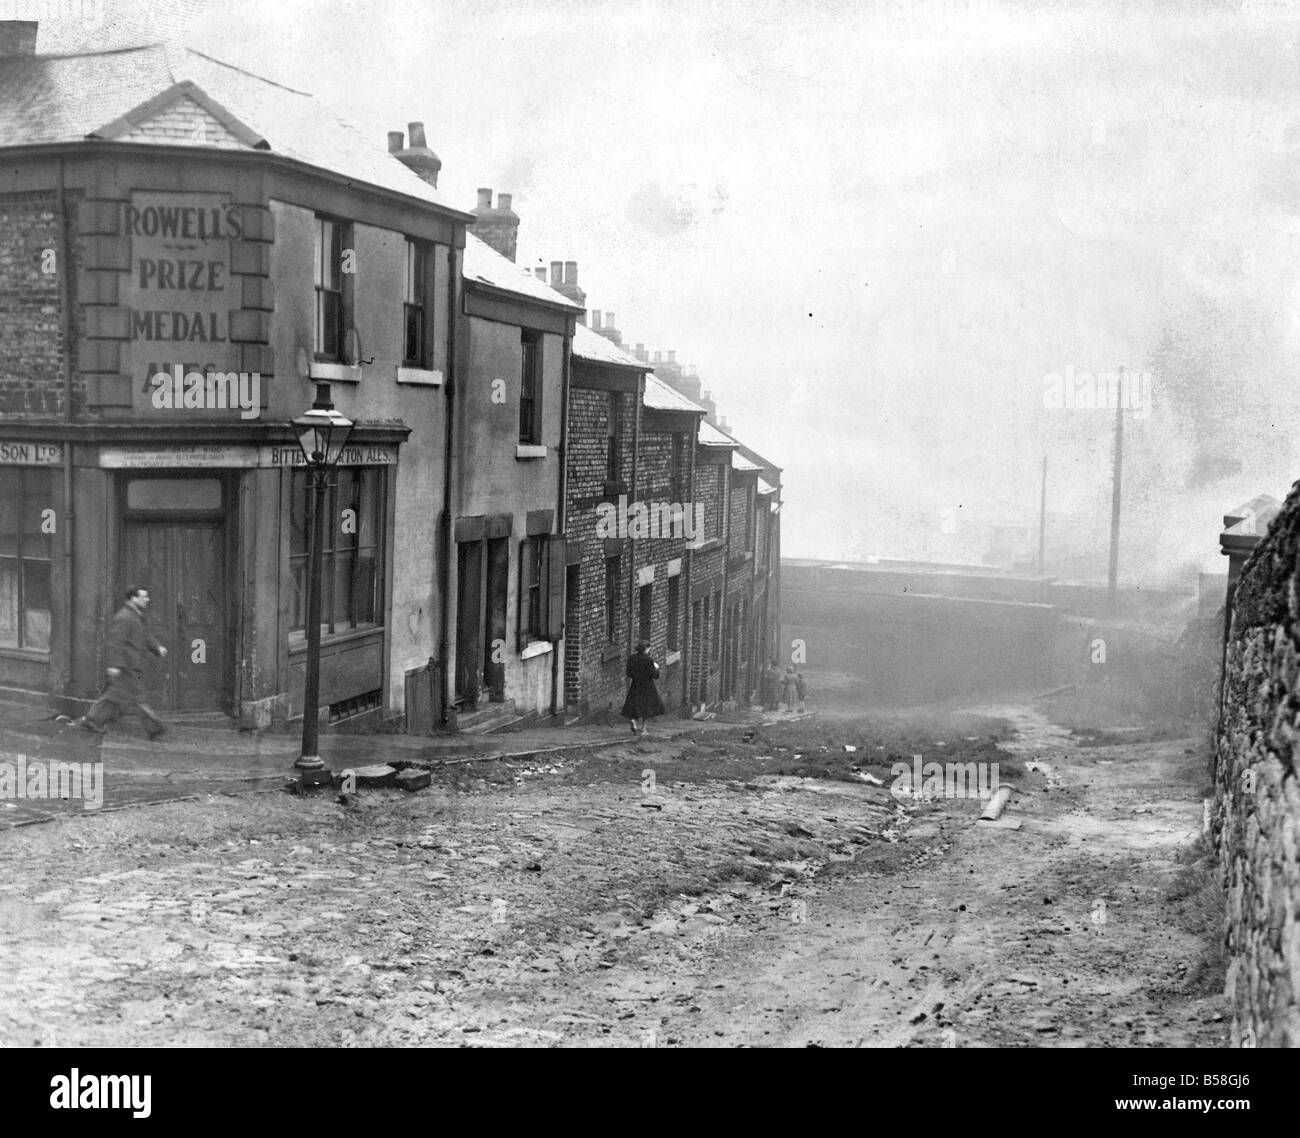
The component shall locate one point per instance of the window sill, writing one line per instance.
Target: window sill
(671, 659)
(35, 655)
(298, 640)
(334, 373)
(705, 545)
(536, 648)
(527, 451)
(423, 377)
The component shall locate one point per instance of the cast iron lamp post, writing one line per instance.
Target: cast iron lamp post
(322, 434)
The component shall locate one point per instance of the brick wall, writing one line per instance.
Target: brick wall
(31, 381)
(594, 664)
(1256, 821)
(657, 485)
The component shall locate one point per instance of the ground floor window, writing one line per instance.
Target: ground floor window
(26, 525)
(352, 577)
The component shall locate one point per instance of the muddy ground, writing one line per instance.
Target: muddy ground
(738, 885)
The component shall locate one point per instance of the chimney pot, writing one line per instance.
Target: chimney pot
(659, 357)
(484, 197)
(672, 357)
(395, 141)
(609, 320)
(416, 132)
(503, 202)
(595, 317)
(571, 272)
(557, 272)
(540, 273)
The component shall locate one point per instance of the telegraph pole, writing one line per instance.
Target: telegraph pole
(1114, 496)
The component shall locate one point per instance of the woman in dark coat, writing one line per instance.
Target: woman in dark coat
(643, 700)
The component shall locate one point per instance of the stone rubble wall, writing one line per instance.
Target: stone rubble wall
(1256, 816)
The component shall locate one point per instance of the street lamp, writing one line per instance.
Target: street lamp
(322, 434)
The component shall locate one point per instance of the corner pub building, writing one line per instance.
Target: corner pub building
(161, 214)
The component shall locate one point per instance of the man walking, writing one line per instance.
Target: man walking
(128, 641)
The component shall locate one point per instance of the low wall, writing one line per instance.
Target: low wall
(1256, 819)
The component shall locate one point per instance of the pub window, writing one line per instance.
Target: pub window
(613, 575)
(645, 608)
(415, 350)
(614, 437)
(674, 612)
(26, 495)
(333, 238)
(530, 389)
(352, 571)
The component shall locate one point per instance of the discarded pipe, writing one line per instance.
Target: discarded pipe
(996, 804)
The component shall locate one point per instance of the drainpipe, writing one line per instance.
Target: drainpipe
(631, 541)
(65, 333)
(449, 406)
(561, 520)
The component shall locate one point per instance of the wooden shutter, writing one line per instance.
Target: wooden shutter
(555, 583)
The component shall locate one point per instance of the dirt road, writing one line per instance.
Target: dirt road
(1069, 931)
(731, 888)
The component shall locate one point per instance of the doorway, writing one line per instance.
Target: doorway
(174, 543)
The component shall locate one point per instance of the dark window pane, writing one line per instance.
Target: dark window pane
(36, 605)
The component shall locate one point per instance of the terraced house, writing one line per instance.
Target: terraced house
(188, 252)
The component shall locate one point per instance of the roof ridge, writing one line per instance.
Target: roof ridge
(252, 75)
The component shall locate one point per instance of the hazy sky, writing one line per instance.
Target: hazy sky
(877, 228)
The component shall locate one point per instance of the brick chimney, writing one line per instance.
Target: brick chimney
(610, 330)
(564, 279)
(417, 157)
(498, 227)
(17, 37)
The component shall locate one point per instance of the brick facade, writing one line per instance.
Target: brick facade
(31, 376)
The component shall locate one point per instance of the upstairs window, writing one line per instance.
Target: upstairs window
(415, 350)
(530, 389)
(614, 438)
(333, 239)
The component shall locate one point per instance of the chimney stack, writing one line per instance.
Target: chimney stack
(17, 38)
(610, 330)
(564, 279)
(417, 156)
(497, 227)
(595, 319)
(396, 141)
(659, 357)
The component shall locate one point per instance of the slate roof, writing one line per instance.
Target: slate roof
(592, 346)
(486, 266)
(660, 397)
(65, 98)
(710, 436)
